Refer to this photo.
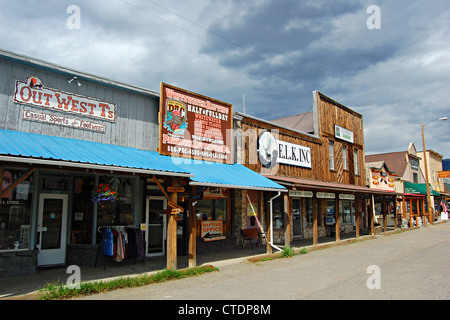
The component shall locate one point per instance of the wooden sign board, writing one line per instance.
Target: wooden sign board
(171, 211)
(175, 189)
(195, 126)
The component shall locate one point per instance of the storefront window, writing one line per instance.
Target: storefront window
(15, 211)
(278, 213)
(331, 214)
(212, 209)
(346, 211)
(118, 211)
(83, 209)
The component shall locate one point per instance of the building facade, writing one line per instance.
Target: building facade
(83, 171)
(411, 203)
(319, 157)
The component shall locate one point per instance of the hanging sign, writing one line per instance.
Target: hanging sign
(194, 126)
(32, 92)
(325, 195)
(302, 194)
(346, 196)
(175, 189)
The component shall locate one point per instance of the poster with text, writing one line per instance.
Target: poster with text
(194, 126)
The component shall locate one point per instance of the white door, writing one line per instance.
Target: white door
(155, 235)
(52, 229)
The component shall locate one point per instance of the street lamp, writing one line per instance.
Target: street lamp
(430, 209)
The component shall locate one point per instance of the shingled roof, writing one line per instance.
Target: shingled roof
(396, 161)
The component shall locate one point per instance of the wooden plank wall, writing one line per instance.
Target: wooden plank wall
(137, 114)
(330, 113)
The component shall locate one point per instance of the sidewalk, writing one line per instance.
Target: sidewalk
(17, 286)
(12, 288)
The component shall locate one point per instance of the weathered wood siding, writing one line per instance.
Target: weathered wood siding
(329, 113)
(136, 123)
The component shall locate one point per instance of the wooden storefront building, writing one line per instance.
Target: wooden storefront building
(86, 164)
(319, 157)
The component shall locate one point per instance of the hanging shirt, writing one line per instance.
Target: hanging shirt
(107, 245)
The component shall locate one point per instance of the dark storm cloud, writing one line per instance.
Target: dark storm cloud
(273, 52)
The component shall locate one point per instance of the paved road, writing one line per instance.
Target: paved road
(413, 265)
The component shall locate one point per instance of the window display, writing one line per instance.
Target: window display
(118, 209)
(15, 211)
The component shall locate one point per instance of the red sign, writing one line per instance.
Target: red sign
(194, 126)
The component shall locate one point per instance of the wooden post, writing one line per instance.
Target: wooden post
(172, 237)
(395, 214)
(384, 206)
(338, 223)
(287, 234)
(192, 229)
(372, 218)
(315, 229)
(358, 204)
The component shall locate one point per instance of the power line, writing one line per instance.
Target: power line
(205, 29)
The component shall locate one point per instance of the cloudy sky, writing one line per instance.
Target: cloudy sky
(275, 53)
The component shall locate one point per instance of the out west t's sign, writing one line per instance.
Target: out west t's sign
(32, 92)
(194, 126)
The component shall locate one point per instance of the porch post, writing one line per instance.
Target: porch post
(287, 206)
(395, 214)
(192, 229)
(358, 205)
(372, 218)
(172, 237)
(338, 223)
(315, 229)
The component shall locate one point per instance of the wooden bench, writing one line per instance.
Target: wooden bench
(252, 233)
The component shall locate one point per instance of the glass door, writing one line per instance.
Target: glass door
(297, 217)
(52, 229)
(155, 234)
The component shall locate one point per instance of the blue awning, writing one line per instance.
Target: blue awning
(33, 148)
(236, 176)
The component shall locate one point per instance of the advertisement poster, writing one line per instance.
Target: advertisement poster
(194, 126)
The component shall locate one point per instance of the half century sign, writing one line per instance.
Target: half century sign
(194, 126)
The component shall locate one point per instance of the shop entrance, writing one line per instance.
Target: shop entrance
(52, 229)
(155, 235)
(297, 217)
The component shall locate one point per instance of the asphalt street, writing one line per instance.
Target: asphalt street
(403, 266)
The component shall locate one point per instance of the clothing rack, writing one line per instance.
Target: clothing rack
(121, 242)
